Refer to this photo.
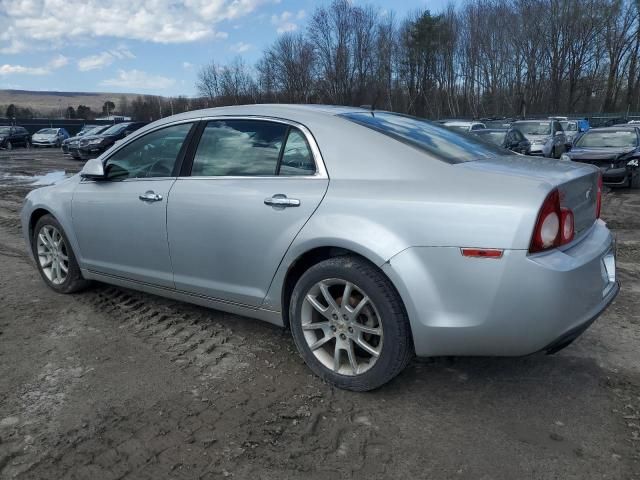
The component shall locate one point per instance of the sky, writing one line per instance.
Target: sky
(144, 46)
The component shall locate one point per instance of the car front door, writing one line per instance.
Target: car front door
(120, 222)
(252, 186)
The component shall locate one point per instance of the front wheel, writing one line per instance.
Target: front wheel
(349, 324)
(54, 257)
(634, 180)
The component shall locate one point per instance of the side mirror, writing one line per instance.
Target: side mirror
(93, 170)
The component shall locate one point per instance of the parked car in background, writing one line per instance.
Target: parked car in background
(634, 122)
(373, 236)
(546, 136)
(464, 126)
(72, 143)
(90, 146)
(573, 129)
(510, 138)
(49, 137)
(14, 136)
(614, 150)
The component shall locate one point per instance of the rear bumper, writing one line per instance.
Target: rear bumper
(44, 143)
(516, 305)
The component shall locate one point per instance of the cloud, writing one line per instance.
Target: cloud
(187, 65)
(240, 47)
(286, 21)
(54, 64)
(36, 24)
(138, 80)
(104, 59)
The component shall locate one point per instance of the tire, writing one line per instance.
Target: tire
(553, 152)
(384, 313)
(9, 145)
(72, 281)
(634, 181)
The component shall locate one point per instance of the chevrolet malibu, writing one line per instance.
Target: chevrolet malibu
(373, 236)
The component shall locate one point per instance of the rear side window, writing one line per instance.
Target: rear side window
(297, 158)
(433, 139)
(252, 148)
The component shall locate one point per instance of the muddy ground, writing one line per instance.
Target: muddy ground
(112, 383)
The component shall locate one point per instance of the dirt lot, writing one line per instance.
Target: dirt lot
(117, 384)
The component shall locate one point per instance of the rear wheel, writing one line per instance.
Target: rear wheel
(349, 324)
(54, 257)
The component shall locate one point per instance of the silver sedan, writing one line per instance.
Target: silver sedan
(373, 236)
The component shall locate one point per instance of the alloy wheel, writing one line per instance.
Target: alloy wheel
(53, 255)
(342, 327)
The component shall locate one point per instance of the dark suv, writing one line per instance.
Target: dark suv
(91, 146)
(13, 136)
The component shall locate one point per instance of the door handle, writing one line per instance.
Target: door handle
(281, 201)
(150, 196)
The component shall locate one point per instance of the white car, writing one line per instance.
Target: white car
(464, 126)
(49, 137)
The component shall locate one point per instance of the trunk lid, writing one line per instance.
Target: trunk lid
(577, 183)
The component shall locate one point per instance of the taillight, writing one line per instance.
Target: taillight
(554, 226)
(599, 195)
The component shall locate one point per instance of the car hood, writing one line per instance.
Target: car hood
(592, 153)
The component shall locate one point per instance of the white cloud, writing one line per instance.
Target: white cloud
(187, 65)
(240, 47)
(57, 62)
(104, 59)
(138, 80)
(286, 21)
(30, 24)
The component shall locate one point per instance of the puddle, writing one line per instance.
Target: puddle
(48, 178)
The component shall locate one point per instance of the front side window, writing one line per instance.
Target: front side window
(150, 156)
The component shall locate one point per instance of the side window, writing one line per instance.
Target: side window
(239, 148)
(297, 158)
(152, 155)
(557, 127)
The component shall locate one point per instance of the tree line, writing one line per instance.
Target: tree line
(483, 58)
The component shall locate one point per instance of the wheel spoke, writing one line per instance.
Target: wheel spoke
(336, 359)
(47, 262)
(63, 257)
(365, 329)
(360, 306)
(316, 326)
(328, 297)
(45, 242)
(63, 267)
(367, 348)
(320, 342)
(324, 311)
(346, 294)
(352, 357)
(50, 241)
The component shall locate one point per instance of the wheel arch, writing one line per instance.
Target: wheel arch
(313, 256)
(36, 215)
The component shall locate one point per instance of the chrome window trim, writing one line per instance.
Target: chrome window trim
(321, 170)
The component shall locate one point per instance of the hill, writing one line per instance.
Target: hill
(47, 101)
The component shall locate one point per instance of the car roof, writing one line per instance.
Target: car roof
(460, 123)
(493, 130)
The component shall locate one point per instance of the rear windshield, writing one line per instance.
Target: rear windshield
(441, 142)
(534, 128)
(621, 138)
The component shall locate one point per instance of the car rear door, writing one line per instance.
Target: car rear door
(120, 222)
(252, 186)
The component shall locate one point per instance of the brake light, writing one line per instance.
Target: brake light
(567, 222)
(599, 195)
(554, 226)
